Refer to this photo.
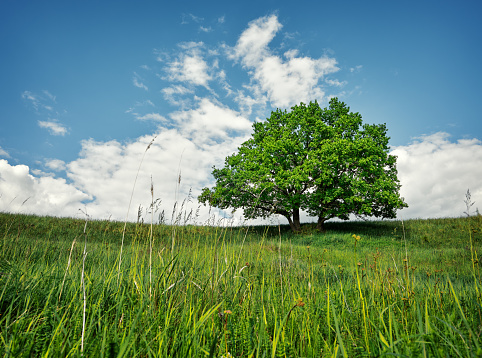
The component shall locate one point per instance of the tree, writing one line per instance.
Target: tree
(323, 161)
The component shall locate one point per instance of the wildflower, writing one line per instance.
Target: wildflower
(299, 302)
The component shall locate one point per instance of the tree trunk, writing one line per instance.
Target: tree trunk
(295, 222)
(320, 226)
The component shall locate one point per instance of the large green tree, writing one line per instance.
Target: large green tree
(323, 161)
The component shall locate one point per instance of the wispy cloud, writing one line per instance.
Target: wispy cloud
(187, 18)
(205, 29)
(176, 95)
(33, 99)
(356, 68)
(54, 127)
(4, 153)
(152, 117)
(44, 105)
(50, 95)
(138, 82)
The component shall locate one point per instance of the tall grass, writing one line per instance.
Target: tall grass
(238, 291)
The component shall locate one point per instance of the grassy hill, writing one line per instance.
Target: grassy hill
(380, 288)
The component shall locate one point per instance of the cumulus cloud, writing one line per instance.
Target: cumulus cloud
(107, 170)
(101, 179)
(21, 191)
(288, 80)
(435, 174)
(211, 123)
(190, 66)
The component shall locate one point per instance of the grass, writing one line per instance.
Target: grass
(410, 290)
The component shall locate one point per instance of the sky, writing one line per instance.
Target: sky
(102, 100)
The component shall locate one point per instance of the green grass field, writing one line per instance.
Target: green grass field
(360, 289)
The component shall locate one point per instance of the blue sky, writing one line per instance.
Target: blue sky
(86, 85)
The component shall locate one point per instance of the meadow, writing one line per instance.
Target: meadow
(71, 288)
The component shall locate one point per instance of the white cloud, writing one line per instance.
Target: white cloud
(153, 117)
(187, 18)
(100, 180)
(55, 164)
(252, 45)
(435, 174)
(286, 82)
(211, 123)
(40, 102)
(32, 98)
(190, 66)
(205, 29)
(356, 68)
(21, 191)
(50, 95)
(175, 95)
(204, 137)
(137, 81)
(54, 127)
(335, 83)
(4, 153)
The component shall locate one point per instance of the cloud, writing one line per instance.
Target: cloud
(4, 153)
(54, 127)
(435, 174)
(211, 123)
(208, 125)
(55, 164)
(50, 95)
(205, 29)
(187, 18)
(137, 81)
(101, 179)
(21, 191)
(190, 66)
(356, 68)
(44, 105)
(153, 117)
(29, 96)
(175, 95)
(286, 81)
(203, 137)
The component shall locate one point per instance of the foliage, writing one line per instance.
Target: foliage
(323, 161)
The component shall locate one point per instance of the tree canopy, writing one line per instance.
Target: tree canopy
(322, 161)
